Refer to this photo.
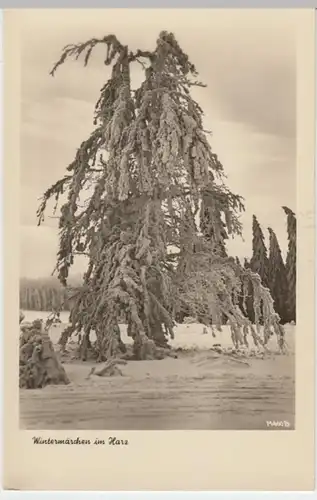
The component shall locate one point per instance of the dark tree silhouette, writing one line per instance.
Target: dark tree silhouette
(278, 278)
(259, 262)
(291, 262)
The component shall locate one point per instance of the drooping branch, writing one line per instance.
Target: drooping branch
(85, 49)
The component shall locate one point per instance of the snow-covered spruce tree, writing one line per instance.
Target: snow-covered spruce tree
(149, 162)
(291, 262)
(259, 262)
(278, 278)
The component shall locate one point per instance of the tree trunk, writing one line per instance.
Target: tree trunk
(109, 344)
(144, 348)
(84, 346)
(158, 335)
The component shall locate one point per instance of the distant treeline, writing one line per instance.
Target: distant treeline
(44, 294)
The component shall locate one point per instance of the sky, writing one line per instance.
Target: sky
(247, 59)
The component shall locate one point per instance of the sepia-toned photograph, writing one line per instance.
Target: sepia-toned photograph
(158, 218)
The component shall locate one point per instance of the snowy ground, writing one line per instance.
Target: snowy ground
(195, 391)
